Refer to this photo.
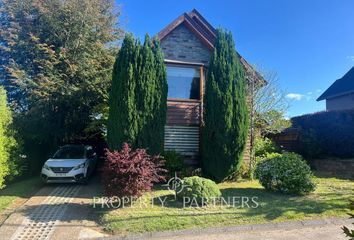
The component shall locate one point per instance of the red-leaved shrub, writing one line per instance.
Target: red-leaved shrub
(131, 172)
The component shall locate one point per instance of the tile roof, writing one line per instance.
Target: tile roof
(342, 86)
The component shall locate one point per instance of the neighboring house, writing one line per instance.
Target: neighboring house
(340, 95)
(188, 43)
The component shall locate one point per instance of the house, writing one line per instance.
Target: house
(340, 95)
(188, 43)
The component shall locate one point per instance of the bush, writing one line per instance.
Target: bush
(131, 172)
(9, 147)
(174, 162)
(200, 189)
(326, 134)
(264, 146)
(287, 173)
(267, 156)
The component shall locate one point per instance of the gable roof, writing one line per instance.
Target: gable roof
(342, 86)
(197, 24)
(206, 33)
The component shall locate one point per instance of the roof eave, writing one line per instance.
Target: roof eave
(324, 97)
(188, 22)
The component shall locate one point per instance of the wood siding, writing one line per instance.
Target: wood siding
(183, 126)
(182, 139)
(183, 112)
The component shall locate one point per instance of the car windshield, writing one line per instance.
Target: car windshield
(72, 152)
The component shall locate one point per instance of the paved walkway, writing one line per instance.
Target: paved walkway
(323, 229)
(56, 212)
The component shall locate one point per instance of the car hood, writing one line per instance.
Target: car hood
(64, 162)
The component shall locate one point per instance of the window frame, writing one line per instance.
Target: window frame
(201, 69)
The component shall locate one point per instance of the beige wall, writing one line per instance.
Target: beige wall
(340, 103)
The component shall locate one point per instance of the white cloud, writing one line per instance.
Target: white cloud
(319, 90)
(309, 93)
(350, 57)
(295, 96)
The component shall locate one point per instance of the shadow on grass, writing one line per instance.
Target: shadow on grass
(167, 201)
(270, 205)
(323, 174)
(275, 205)
(23, 188)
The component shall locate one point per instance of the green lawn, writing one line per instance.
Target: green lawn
(330, 199)
(18, 190)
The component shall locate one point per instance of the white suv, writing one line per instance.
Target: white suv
(71, 163)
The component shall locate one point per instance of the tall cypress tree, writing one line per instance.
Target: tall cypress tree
(151, 93)
(122, 123)
(157, 124)
(226, 118)
(138, 96)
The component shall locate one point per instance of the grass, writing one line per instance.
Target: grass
(330, 199)
(18, 190)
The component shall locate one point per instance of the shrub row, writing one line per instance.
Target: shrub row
(326, 134)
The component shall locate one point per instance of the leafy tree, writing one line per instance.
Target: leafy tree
(268, 104)
(8, 144)
(226, 117)
(56, 63)
(138, 96)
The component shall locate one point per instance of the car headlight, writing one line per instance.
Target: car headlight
(82, 165)
(45, 166)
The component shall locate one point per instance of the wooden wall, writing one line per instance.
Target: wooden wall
(183, 112)
(182, 130)
(182, 139)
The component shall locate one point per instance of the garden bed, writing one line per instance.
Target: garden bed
(329, 200)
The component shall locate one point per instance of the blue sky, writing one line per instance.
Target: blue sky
(309, 44)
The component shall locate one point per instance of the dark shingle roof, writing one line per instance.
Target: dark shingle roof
(342, 86)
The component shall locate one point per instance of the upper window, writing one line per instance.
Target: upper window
(183, 82)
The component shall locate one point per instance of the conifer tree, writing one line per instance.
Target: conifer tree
(151, 93)
(146, 96)
(226, 118)
(122, 123)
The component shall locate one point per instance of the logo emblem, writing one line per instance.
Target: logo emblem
(175, 184)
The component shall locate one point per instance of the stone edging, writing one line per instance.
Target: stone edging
(242, 228)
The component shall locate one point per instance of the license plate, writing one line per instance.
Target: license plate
(60, 174)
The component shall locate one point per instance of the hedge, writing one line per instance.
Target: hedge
(326, 134)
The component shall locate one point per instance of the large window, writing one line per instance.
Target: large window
(183, 82)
